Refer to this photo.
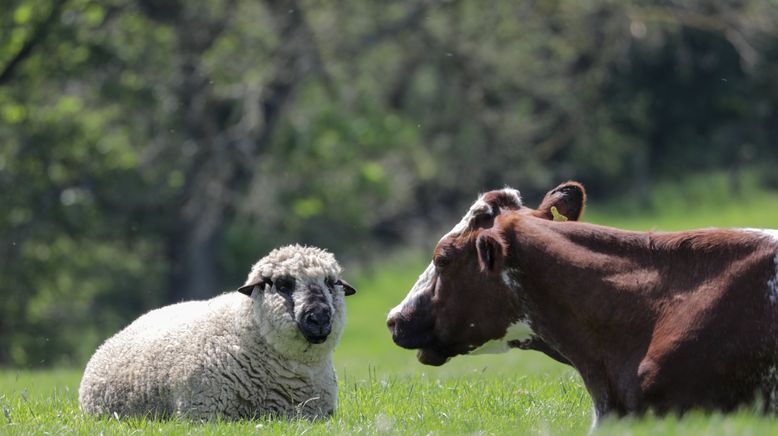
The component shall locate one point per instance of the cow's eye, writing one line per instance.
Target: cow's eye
(440, 261)
(285, 285)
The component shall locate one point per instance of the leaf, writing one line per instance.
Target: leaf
(308, 207)
(94, 14)
(373, 172)
(22, 14)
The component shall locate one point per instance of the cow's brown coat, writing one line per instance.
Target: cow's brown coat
(662, 321)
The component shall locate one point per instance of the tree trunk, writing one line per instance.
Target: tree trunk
(193, 256)
(221, 166)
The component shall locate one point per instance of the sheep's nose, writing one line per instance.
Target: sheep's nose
(316, 325)
(317, 319)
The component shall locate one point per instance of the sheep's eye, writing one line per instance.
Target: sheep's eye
(330, 282)
(285, 285)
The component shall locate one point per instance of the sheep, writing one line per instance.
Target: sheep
(264, 351)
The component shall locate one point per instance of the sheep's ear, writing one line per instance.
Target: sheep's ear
(248, 289)
(347, 288)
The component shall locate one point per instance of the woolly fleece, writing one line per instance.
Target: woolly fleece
(231, 356)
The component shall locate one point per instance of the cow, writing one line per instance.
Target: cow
(660, 321)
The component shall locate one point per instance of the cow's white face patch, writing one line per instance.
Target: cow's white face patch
(772, 284)
(478, 208)
(424, 281)
(518, 331)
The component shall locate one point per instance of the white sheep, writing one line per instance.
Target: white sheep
(265, 353)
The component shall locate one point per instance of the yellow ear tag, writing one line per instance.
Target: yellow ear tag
(557, 216)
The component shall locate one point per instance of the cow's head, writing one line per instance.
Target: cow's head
(468, 300)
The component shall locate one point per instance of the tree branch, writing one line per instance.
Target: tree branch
(10, 68)
(413, 18)
(749, 56)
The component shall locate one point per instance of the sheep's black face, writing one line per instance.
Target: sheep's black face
(309, 303)
(315, 318)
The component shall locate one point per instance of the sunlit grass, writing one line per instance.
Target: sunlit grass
(46, 402)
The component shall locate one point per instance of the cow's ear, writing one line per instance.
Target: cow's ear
(565, 202)
(491, 252)
(262, 284)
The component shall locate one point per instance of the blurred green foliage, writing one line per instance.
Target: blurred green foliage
(151, 150)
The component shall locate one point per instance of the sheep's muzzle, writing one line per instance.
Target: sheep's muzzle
(315, 322)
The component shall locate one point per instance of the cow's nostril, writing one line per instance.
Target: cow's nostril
(391, 322)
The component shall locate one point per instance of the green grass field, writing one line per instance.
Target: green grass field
(383, 389)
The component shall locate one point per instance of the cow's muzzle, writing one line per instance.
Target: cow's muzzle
(410, 328)
(415, 334)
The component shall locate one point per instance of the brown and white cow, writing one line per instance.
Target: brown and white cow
(661, 321)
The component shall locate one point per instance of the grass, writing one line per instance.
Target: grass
(46, 402)
(383, 389)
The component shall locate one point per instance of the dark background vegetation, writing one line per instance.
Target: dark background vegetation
(151, 150)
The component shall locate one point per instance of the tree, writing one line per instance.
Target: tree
(153, 149)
